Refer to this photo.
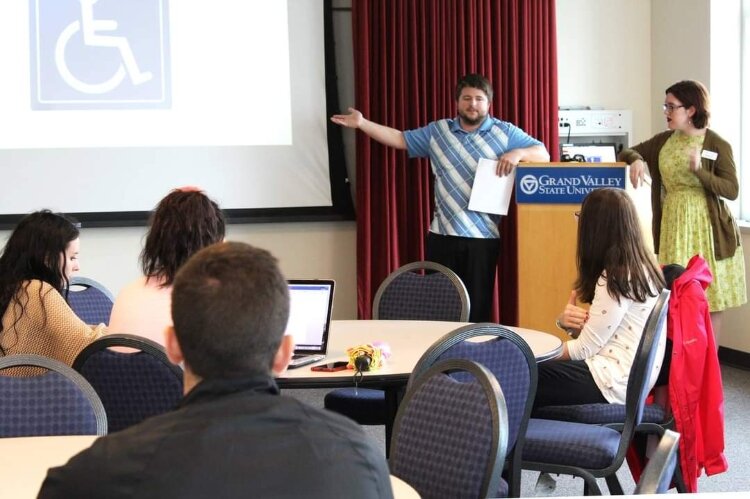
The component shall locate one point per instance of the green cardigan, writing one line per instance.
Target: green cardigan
(719, 179)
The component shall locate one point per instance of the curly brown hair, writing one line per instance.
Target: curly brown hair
(184, 222)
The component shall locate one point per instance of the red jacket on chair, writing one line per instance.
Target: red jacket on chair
(695, 388)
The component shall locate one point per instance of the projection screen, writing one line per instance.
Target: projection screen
(107, 105)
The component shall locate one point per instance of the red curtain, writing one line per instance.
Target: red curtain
(408, 56)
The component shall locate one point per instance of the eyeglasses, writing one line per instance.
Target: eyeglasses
(670, 107)
(577, 214)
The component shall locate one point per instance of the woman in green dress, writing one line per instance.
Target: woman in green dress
(692, 170)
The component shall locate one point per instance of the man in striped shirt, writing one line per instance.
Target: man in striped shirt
(467, 242)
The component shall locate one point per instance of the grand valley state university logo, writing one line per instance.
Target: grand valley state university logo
(564, 185)
(99, 54)
(529, 184)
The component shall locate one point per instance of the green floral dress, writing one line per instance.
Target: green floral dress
(686, 226)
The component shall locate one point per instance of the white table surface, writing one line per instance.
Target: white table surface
(24, 462)
(408, 341)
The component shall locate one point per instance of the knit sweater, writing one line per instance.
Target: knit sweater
(45, 326)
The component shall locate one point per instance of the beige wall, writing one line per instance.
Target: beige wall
(602, 50)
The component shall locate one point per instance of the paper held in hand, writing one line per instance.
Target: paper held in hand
(490, 193)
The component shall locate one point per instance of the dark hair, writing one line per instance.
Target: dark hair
(34, 250)
(230, 307)
(182, 223)
(477, 81)
(693, 93)
(671, 273)
(610, 241)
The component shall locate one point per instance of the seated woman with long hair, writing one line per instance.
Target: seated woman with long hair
(185, 221)
(35, 268)
(620, 279)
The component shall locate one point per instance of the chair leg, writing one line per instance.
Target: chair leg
(677, 479)
(613, 483)
(590, 487)
(391, 407)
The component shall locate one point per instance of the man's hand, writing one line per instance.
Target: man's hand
(352, 120)
(637, 173)
(508, 161)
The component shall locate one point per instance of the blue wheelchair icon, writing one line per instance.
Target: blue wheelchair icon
(100, 54)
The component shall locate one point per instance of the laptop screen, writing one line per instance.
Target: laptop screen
(593, 153)
(311, 302)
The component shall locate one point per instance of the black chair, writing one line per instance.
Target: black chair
(511, 361)
(90, 300)
(52, 400)
(594, 451)
(132, 386)
(406, 294)
(657, 476)
(450, 436)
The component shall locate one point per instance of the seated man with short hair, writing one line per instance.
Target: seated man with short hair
(233, 434)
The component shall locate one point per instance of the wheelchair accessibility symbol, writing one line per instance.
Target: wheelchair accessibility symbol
(100, 54)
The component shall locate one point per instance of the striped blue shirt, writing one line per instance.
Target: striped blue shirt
(454, 155)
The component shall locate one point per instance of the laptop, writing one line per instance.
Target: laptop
(311, 302)
(591, 153)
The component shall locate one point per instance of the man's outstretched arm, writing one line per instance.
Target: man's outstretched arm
(385, 135)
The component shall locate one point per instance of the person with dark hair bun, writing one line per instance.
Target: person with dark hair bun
(620, 279)
(183, 223)
(693, 171)
(37, 262)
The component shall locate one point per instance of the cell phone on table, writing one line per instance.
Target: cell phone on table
(331, 366)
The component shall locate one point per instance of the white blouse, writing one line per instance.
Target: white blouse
(609, 340)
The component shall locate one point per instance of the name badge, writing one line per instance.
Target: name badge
(709, 155)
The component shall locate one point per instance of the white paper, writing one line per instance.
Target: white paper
(490, 193)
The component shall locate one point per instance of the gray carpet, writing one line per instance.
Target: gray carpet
(737, 443)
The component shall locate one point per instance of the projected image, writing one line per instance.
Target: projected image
(117, 57)
(92, 54)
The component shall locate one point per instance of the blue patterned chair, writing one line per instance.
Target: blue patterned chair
(405, 294)
(450, 436)
(51, 400)
(593, 451)
(132, 386)
(657, 476)
(655, 421)
(90, 300)
(507, 356)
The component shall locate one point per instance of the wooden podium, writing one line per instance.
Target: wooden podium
(548, 196)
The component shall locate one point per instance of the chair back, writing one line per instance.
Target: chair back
(640, 372)
(90, 300)
(450, 437)
(657, 476)
(407, 294)
(132, 386)
(510, 359)
(58, 402)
